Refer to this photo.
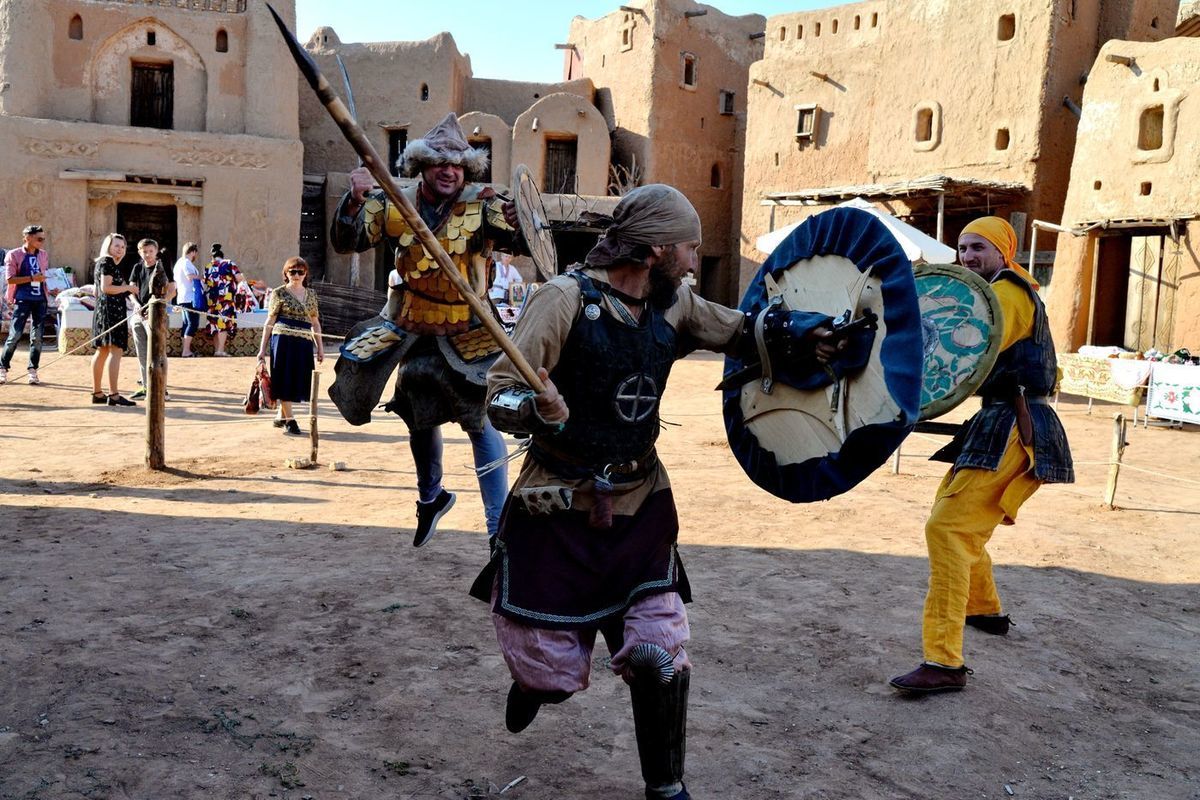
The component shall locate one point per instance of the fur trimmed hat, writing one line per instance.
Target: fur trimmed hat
(445, 144)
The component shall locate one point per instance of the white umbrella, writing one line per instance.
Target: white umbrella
(917, 245)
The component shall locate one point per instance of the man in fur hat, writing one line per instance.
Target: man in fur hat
(588, 540)
(427, 327)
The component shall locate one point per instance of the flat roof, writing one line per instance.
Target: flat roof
(968, 189)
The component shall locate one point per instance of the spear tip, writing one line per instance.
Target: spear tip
(304, 61)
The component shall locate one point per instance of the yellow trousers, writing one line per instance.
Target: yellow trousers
(968, 506)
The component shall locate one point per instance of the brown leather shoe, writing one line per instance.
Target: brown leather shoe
(995, 624)
(930, 678)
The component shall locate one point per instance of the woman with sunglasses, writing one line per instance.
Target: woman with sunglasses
(293, 334)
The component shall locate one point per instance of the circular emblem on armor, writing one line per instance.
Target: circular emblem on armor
(592, 312)
(636, 398)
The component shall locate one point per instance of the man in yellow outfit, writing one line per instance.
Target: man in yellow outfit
(1013, 445)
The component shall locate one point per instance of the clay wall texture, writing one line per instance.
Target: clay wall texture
(976, 69)
(69, 148)
(670, 131)
(1118, 175)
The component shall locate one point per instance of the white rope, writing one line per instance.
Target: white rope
(492, 466)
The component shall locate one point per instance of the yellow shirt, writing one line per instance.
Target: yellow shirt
(1017, 310)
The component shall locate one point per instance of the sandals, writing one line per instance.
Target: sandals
(118, 400)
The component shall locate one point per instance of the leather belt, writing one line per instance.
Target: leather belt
(1008, 401)
(625, 472)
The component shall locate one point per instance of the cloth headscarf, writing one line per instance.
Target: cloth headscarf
(444, 144)
(656, 214)
(1004, 238)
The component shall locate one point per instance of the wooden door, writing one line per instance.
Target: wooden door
(312, 227)
(152, 96)
(1145, 271)
(1164, 321)
(561, 155)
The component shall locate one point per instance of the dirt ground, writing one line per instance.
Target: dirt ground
(231, 628)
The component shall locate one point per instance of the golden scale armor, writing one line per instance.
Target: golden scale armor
(431, 304)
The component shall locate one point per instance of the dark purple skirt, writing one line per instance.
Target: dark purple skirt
(291, 366)
(557, 572)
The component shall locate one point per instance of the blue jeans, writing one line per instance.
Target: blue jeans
(488, 446)
(35, 312)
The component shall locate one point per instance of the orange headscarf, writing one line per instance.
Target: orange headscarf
(1001, 234)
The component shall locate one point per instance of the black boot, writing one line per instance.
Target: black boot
(660, 721)
(523, 706)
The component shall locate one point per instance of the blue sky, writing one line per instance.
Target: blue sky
(512, 40)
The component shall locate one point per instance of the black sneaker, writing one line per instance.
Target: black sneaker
(292, 428)
(428, 515)
(279, 422)
(140, 394)
(995, 624)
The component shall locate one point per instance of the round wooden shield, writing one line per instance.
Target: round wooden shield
(534, 223)
(961, 327)
(808, 444)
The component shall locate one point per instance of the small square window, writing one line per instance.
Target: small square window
(726, 103)
(1002, 139)
(808, 122)
(1146, 187)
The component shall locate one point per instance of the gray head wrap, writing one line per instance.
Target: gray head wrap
(649, 215)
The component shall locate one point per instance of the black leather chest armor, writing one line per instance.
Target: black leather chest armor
(612, 376)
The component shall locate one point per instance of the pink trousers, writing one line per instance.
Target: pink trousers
(547, 660)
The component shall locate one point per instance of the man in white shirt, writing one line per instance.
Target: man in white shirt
(506, 275)
(191, 293)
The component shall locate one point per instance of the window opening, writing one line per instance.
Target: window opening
(75, 29)
(1156, 84)
(424, 92)
(875, 20)
(726, 104)
(834, 27)
(397, 141)
(799, 31)
(152, 99)
(1002, 139)
(857, 22)
(1006, 29)
(1096, 186)
(222, 41)
(817, 29)
(151, 38)
(782, 34)
(1146, 187)
(924, 132)
(689, 70)
(807, 120)
(1154, 22)
(714, 177)
(1150, 129)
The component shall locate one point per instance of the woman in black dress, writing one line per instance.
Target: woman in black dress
(293, 333)
(110, 333)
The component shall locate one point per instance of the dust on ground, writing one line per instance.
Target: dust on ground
(230, 628)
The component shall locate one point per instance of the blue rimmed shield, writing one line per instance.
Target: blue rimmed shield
(809, 444)
(961, 326)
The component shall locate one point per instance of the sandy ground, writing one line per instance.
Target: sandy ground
(234, 629)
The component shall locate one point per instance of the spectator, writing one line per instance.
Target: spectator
(190, 288)
(148, 271)
(221, 280)
(110, 331)
(293, 331)
(25, 274)
(506, 276)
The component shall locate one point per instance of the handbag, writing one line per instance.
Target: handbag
(264, 388)
(251, 403)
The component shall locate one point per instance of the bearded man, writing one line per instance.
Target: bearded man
(587, 542)
(1012, 445)
(427, 327)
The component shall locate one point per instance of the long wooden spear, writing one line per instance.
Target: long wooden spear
(374, 164)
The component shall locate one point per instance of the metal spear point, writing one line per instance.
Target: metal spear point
(374, 164)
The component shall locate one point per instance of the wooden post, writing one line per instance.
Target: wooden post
(313, 394)
(941, 217)
(896, 461)
(1114, 467)
(156, 388)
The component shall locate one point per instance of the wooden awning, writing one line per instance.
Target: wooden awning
(959, 193)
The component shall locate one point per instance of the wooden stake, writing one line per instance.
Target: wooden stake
(1114, 467)
(313, 394)
(156, 388)
(896, 461)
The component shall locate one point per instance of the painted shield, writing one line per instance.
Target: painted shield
(961, 326)
(534, 223)
(805, 445)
